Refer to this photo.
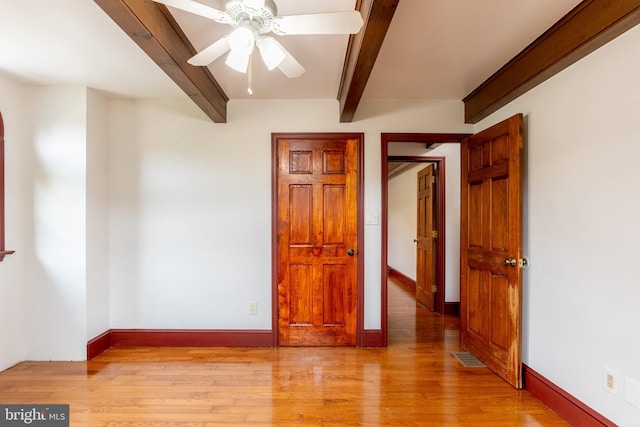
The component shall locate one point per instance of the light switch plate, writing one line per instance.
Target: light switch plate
(632, 392)
(372, 218)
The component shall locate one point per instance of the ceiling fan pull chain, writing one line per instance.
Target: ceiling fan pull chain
(250, 74)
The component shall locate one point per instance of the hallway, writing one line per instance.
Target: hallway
(414, 381)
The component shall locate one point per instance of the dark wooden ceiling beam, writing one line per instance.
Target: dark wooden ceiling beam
(153, 28)
(362, 53)
(591, 24)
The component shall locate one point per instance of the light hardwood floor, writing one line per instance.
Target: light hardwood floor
(415, 381)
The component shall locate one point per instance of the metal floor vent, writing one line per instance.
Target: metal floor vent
(468, 360)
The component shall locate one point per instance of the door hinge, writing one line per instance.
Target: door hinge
(434, 234)
(434, 288)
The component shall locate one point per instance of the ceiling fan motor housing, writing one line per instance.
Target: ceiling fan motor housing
(258, 19)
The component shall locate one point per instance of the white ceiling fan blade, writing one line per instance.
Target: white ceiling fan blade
(211, 53)
(289, 66)
(347, 22)
(196, 8)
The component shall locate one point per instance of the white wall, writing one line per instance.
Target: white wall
(12, 270)
(55, 259)
(42, 307)
(402, 214)
(54, 289)
(402, 220)
(97, 205)
(190, 205)
(582, 208)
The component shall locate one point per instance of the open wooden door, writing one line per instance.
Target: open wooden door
(425, 243)
(491, 248)
(317, 239)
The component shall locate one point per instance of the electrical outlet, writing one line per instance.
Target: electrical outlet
(611, 381)
(253, 307)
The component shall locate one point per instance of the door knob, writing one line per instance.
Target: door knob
(415, 240)
(511, 262)
(350, 252)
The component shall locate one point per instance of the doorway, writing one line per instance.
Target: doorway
(417, 226)
(422, 141)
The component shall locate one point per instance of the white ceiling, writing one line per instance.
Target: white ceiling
(443, 49)
(435, 49)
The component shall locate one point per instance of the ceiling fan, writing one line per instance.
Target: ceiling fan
(252, 21)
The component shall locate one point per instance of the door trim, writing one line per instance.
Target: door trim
(419, 138)
(275, 137)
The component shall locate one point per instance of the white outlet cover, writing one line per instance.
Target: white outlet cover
(253, 307)
(610, 372)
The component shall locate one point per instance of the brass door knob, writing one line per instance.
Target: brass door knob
(511, 262)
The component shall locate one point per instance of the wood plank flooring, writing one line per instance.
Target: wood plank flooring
(415, 381)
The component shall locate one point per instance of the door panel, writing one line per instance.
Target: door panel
(491, 248)
(301, 294)
(334, 294)
(301, 201)
(425, 245)
(317, 224)
(334, 214)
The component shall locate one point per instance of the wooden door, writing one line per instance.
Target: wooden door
(425, 243)
(491, 248)
(317, 232)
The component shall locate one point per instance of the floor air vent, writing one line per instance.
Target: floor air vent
(468, 360)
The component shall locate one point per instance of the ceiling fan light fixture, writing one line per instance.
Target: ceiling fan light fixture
(271, 52)
(239, 61)
(242, 40)
(252, 20)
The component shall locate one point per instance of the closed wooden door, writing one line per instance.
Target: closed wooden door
(491, 248)
(425, 244)
(317, 232)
